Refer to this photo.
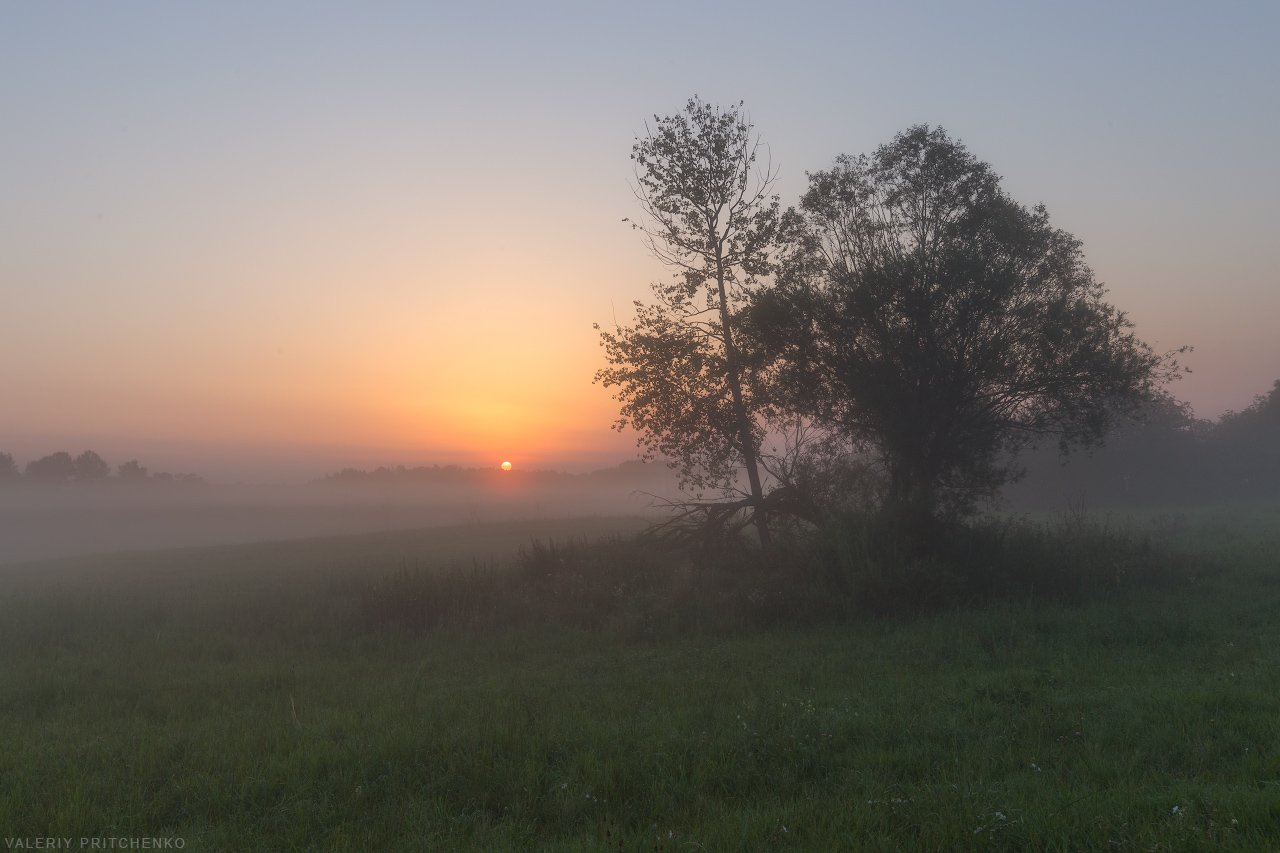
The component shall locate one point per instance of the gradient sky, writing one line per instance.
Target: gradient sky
(267, 240)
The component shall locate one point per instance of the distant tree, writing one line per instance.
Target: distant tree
(1260, 420)
(942, 326)
(57, 467)
(90, 467)
(709, 215)
(1245, 447)
(8, 468)
(1157, 457)
(131, 471)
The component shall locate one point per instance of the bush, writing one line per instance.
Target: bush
(854, 566)
(887, 565)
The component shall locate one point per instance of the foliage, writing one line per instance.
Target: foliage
(856, 565)
(1246, 446)
(61, 468)
(680, 371)
(933, 320)
(131, 471)
(1166, 457)
(8, 468)
(90, 467)
(57, 467)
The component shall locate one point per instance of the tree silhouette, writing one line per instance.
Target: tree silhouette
(90, 467)
(709, 214)
(131, 471)
(942, 326)
(1245, 447)
(8, 468)
(55, 468)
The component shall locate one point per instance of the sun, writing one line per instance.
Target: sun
(506, 466)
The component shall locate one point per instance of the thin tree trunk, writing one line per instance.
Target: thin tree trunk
(745, 437)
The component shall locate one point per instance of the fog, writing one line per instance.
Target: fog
(39, 521)
(66, 506)
(1167, 458)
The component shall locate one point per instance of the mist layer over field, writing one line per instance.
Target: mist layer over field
(45, 521)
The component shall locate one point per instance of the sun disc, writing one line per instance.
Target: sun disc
(506, 466)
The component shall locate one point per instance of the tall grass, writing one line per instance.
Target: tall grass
(853, 566)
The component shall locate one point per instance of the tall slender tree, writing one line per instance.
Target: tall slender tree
(704, 183)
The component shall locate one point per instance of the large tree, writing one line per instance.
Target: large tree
(681, 374)
(942, 326)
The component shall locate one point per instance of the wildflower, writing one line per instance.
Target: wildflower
(1175, 809)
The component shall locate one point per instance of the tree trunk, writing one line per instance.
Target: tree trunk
(745, 439)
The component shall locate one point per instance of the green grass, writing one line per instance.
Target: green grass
(239, 698)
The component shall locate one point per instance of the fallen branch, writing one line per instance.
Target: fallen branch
(706, 523)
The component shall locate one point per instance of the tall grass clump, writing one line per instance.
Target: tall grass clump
(852, 566)
(631, 586)
(886, 565)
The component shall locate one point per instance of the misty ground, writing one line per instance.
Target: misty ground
(241, 697)
(42, 522)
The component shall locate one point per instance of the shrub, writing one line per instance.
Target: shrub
(855, 566)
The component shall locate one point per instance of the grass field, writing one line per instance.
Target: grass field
(235, 698)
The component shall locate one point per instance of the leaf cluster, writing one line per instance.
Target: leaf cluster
(927, 315)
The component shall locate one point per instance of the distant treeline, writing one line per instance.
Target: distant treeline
(628, 472)
(430, 474)
(62, 468)
(1170, 457)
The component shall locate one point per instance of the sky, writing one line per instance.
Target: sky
(267, 240)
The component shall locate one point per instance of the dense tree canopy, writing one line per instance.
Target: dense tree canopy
(90, 467)
(941, 326)
(57, 467)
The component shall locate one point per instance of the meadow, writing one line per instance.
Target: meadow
(465, 689)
